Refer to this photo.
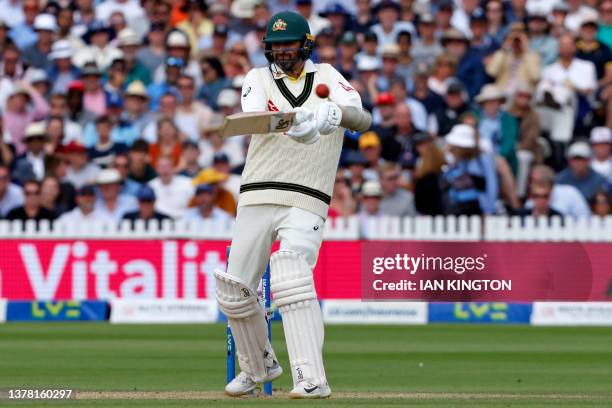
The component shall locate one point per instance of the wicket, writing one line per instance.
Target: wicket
(231, 346)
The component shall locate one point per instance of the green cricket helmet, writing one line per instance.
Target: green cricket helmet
(288, 26)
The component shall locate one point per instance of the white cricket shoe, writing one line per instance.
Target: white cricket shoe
(243, 384)
(306, 389)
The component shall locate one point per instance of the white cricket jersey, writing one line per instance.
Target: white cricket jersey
(278, 169)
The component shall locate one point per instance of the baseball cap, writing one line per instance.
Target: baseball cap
(579, 150)
(371, 189)
(76, 85)
(220, 157)
(228, 98)
(369, 139)
(204, 188)
(86, 189)
(385, 98)
(145, 193)
(455, 86)
(45, 22)
(177, 39)
(221, 30)
(368, 63)
(348, 38)
(601, 134)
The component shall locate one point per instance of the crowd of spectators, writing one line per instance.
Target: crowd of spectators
(111, 109)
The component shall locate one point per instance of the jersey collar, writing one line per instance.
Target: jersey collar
(309, 66)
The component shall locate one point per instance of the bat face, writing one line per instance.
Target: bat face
(249, 123)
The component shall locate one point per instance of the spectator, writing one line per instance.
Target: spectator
(396, 201)
(173, 192)
(604, 32)
(76, 110)
(80, 171)
(563, 84)
(188, 163)
(498, 129)
(56, 167)
(36, 54)
(371, 197)
(356, 163)
(206, 210)
(528, 150)
(370, 147)
(31, 164)
(400, 146)
(22, 32)
(122, 165)
(135, 118)
(98, 48)
(540, 197)
(129, 42)
(85, 210)
(389, 25)
(540, 39)
(566, 199)
(470, 181)
(447, 115)
(342, 204)
(51, 196)
(579, 172)
(418, 113)
(190, 110)
(173, 67)
(444, 69)
(348, 50)
(24, 106)
(153, 54)
(421, 92)
(11, 195)
(224, 199)
(214, 81)
(427, 175)
(111, 202)
(212, 143)
(601, 204)
(146, 207)
(590, 49)
(105, 150)
(601, 143)
(221, 163)
(481, 41)
(168, 144)
(470, 70)
(515, 62)
(94, 97)
(61, 70)
(577, 13)
(497, 20)
(139, 161)
(389, 73)
(427, 48)
(31, 209)
(385, 126)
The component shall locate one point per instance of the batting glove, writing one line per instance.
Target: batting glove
(304, 129)
(329, 116)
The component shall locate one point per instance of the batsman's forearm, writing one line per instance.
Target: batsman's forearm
(355, 118)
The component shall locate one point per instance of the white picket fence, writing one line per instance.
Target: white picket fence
(439, 228)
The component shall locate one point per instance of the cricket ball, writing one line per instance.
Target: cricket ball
(322, 91)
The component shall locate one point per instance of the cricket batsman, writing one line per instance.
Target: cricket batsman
(285, 194)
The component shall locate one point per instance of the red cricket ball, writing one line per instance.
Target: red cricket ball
(322, 91)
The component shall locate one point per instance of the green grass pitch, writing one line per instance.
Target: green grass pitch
(417, 366)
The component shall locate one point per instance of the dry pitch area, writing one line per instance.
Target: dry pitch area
(429, 366)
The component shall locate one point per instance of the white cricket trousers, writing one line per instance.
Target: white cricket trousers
(257, 227)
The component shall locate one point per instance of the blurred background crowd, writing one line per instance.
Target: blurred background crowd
(111, 109)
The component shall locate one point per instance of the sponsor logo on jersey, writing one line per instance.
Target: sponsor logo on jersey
(272, 107)
(346, 87)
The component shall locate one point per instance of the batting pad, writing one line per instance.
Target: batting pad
(294, 293)
(247, 320)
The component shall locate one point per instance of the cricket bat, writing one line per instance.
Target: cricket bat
(252, 123)
(247, 123)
